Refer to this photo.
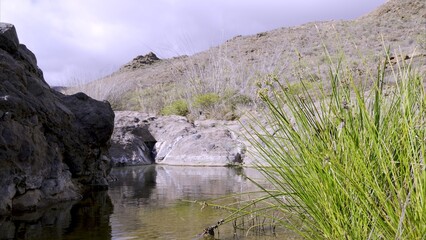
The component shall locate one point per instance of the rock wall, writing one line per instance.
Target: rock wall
(131, 141)
(142, 139)
(53, 147)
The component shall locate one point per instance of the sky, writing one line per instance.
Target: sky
(88, 39)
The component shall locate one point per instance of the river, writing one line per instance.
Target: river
(147, 202)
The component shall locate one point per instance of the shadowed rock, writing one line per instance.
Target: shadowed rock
(52, 147)
(131, 142)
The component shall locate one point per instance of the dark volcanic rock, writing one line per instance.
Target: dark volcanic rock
(53, 147)
(142, 60)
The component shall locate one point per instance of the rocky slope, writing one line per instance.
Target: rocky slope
(53, 147)
(147, 83)
(232, 69)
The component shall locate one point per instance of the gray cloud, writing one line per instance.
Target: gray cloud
(90, 38)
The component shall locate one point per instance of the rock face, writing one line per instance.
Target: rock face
(53, 147)
(142, 60)
(142, 139)
(131, 142)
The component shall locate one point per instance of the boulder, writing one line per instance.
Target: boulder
(141, 61)
(182, 143)
(8, 37)
(53, 147)
(168, 131)
(142, 139)
(131, 141)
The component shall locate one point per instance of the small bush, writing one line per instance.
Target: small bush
(206, 100)
(234, 99)
(299, 87)
(178, 107)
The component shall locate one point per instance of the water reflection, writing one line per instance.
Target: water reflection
(154, 202)
(145, 202)
(153, 185)
(86, 219)
(90, 218)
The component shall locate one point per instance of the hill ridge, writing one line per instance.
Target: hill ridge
(232, 68)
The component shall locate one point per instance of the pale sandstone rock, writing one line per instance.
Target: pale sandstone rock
(173, 140)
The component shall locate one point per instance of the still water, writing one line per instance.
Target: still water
(145, 202)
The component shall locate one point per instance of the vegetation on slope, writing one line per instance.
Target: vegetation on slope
(231, 70)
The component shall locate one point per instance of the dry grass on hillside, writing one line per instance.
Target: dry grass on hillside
(221, 82)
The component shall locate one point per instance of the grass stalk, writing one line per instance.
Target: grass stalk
(346, 166)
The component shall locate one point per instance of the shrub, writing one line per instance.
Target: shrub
(178, 107)
(234, 99)
(205, 101)
(299, 87)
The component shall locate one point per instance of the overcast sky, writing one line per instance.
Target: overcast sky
(90, 38)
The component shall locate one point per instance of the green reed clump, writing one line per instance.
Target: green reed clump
(350, 165)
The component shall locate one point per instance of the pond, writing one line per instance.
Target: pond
(146, 202)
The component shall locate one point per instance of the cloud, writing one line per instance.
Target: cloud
(89, 38)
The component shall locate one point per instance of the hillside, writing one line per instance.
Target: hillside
(221, 82)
